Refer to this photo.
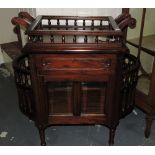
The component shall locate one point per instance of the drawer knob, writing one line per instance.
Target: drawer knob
(108, 62)
(44, 64)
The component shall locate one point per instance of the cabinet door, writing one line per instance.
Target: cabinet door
(93, 97)
(59, 96)
(76, 98)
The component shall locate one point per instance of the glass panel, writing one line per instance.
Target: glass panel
(59, 97)
(93, 97)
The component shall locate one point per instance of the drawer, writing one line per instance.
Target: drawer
(78, 64)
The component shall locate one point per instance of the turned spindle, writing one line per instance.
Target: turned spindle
(66, 24)
(84, 23)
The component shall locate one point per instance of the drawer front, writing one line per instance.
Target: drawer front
(79, 65)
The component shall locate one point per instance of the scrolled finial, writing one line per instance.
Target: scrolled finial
(132, 23)
(26, 16)
(20, 22)
(127, 22)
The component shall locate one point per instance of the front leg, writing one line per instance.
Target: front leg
(149, 120)
(112, 135)
(42, 135)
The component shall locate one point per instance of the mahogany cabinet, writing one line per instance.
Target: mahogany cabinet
(76, 70)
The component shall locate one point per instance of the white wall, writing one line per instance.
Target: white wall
(6, 27)
(31, 11)
(1, 57)
(79, 11)
(149, 27)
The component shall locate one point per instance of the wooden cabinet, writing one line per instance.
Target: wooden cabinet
(75, 89)
(76, 83)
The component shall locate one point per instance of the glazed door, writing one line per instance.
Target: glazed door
(75, 102)
(76, 98)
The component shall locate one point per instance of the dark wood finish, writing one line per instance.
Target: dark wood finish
(42, 136)
(18, 33)
(24, 19)
(13, 49)
(77, 33)
(151, 102)
(111, 135)
(77, 82)
(26, 16)
(125, 12)
(141, 32)
(20, 22)
(76, 94)
(146, 50)
(143, 101)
